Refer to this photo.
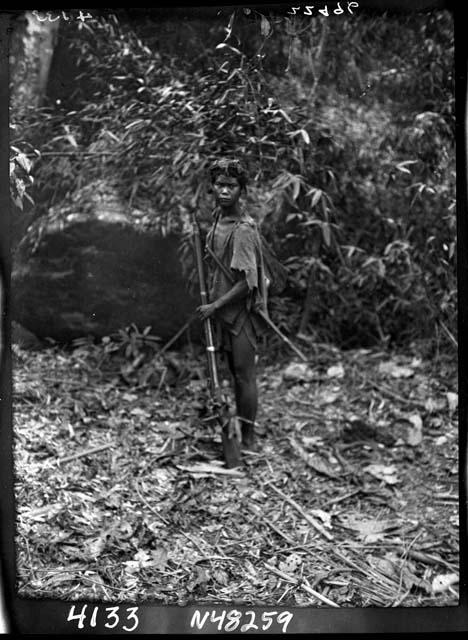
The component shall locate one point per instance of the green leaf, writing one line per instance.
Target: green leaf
(24, 161)
(318, 193)
(222, 45)
(265, 27)
(305, 135)
(296, 187)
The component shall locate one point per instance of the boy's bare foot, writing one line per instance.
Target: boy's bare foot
(249, 444)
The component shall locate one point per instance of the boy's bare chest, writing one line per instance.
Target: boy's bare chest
(221, 236)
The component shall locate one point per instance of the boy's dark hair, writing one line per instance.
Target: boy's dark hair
(229, 167)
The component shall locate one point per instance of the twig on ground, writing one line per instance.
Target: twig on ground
(308, 458)
(86, 452)
(272, 526)
(28, 553)
(162, 378)
(399, 600)
(135, 484)
(194, 542)
(344, 497)
(177, 335)
(395, 396)
(429, 559)
(303, 585)
(107, 586)
(217, 557)
(381, 579)
(404, 561)
(298, 508)
(346, 466)
(285, 593)
(207, 468)
(312, 412)
(300, 416)
(450, 335)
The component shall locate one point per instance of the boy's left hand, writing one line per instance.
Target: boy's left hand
(206, 310)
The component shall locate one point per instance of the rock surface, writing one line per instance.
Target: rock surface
(93, 268)
(25, 338)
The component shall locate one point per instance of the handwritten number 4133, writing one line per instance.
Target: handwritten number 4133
(310, 10)
(112, 618)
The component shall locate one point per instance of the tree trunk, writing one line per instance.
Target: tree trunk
(32, 46)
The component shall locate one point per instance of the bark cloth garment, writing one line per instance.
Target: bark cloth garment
(236, 243)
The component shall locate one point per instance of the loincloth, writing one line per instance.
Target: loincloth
(225, 332)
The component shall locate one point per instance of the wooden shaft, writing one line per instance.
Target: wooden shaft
(207, 325)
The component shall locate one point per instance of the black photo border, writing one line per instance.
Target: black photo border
(46, 616)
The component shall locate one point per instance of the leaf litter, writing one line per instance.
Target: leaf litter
(122, 493)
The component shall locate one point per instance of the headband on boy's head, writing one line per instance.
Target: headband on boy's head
(229, 167)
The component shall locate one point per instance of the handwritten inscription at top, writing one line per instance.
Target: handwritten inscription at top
(313, 10)
(53, 16)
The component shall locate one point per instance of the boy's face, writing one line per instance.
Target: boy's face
(227, 190)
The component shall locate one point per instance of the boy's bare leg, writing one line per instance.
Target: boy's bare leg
(242, 364)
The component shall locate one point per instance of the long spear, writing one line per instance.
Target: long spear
(231, 445)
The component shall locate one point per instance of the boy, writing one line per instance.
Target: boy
(237, 289)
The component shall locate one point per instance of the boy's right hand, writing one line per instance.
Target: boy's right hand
(205, 311)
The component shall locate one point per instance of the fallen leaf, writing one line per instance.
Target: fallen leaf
(137, 411)
(368, 529)
(72, 551)
(221, 577)
(42, 514)
(336, 371)
(414, 432)
(384, 565)
(320, 464)
(313, 460)
(59, 578)
(432, 405)
(443, 582)
(312, 441)
(250, 568)
(97, 583)
(382, 472)
(409, 578)
(159, 559)
(291, 563)
(394, 370)
(143, 557)
(129, 397)
(328, 397)
(297, 371)
(131, 566)
(323, 516)
(452, 400)
(96, 547)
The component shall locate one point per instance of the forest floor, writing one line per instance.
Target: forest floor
(122, 494)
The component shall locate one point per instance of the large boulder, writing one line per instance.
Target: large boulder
(94, 266)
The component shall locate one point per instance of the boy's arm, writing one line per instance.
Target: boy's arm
(238, 291)
(244, 264)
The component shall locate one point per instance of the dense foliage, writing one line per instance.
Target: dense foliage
(347, 126)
